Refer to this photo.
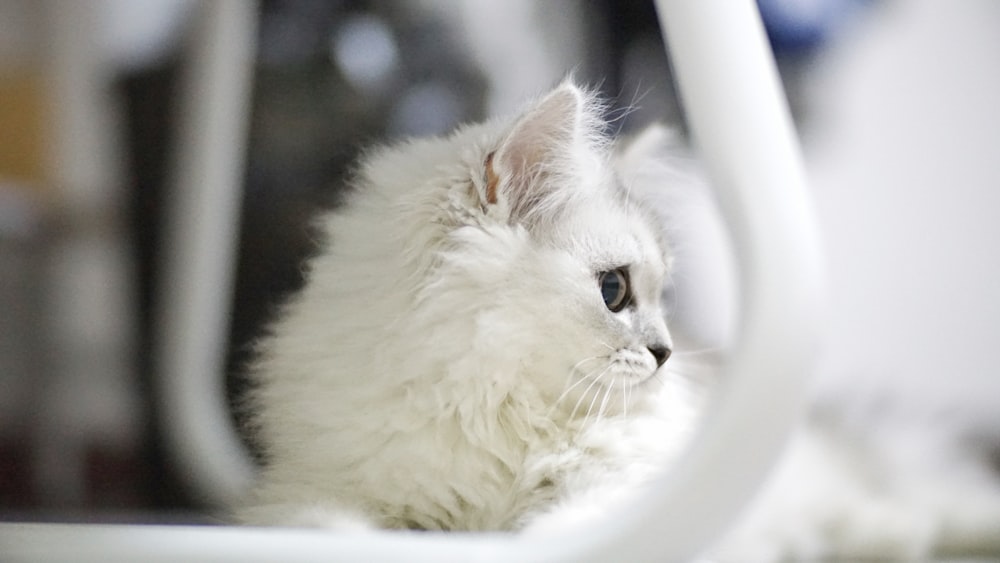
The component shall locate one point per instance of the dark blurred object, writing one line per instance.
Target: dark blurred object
(798, 31)
(148, 103)
(796, 27)
(23, 361)
(332, 77)
(638, 75)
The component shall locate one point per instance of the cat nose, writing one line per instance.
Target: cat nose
(661, 353)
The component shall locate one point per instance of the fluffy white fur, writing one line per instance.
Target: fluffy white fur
(451, 364)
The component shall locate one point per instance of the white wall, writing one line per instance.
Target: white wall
(905, 163)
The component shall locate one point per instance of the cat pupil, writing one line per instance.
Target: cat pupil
(614, 289)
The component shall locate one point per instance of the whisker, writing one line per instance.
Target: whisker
(568, 390)
(590, 409)
(593, 401)
(628, 399)
(625, 396)
(583, 361)
(607, 390)
(604, 403)
(587, 390)
(573, 369)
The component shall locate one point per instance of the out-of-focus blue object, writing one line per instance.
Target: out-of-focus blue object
(795, 26)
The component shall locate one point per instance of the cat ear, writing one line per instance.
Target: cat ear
(652, 167)
(540, 151)
(650, 145)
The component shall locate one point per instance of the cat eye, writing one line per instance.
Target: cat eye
(615, 289)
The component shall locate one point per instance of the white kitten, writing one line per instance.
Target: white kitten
(481, 344)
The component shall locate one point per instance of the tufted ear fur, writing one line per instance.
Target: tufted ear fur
(547, 149)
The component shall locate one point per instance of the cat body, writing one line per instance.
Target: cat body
(481, 345)
(480, 342)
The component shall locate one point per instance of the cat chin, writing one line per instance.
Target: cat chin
(632, 366)
(624, 379)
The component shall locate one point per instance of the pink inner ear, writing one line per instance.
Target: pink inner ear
(546, 130)
(491, 180)
(539, 144)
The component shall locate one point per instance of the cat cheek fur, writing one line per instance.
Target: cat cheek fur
(517, 290)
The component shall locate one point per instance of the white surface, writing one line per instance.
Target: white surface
(82, 543)
(906, 169)
(59, 543)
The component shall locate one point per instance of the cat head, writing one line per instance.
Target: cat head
(561, 268)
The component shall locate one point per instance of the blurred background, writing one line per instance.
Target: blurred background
(895, 102)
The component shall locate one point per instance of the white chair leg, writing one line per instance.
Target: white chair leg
(199, 248)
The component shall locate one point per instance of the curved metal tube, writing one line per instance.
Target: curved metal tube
(740, 120)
